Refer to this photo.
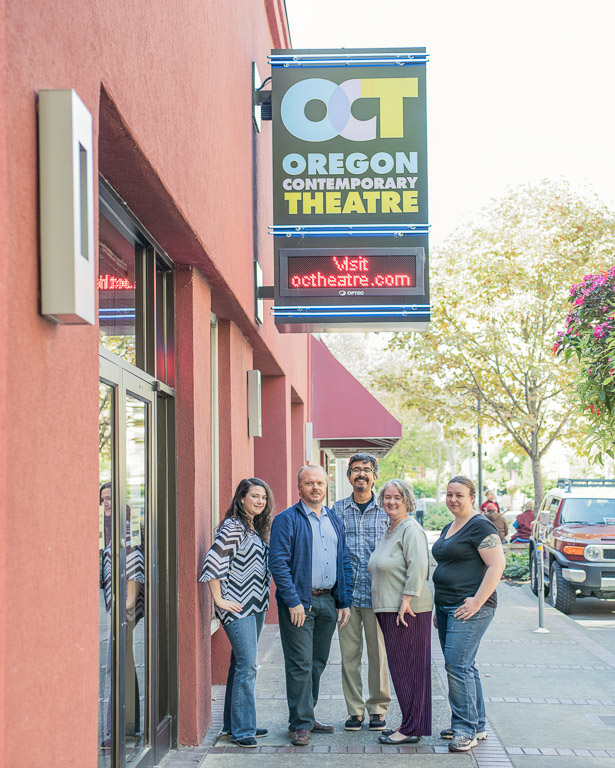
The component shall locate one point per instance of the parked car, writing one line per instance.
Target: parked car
(576, 526)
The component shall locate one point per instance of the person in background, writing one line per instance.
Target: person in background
(402, 600)
(498, 519)
(135, 611)
(470, 562)
(236, 571)
(491, 499)
(523, 523)
(421, 508)
(310, 566)
(364, 523)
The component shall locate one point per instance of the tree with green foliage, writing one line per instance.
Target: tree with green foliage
(498, 289)
(590, 336)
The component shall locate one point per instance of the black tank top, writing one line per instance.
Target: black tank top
(460, 568)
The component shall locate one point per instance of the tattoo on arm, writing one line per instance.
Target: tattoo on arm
(490, 542)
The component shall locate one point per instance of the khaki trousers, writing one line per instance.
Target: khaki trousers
(363, 620)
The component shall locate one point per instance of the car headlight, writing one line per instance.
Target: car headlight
(593, 552)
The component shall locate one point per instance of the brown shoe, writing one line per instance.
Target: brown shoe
(300, 737)
(322, 727)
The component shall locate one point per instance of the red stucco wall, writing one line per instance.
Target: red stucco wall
(193, 499)
(4, 275)
(168, 86)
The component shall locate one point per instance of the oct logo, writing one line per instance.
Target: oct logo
(338, 100)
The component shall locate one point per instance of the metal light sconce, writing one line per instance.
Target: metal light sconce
(66, 190)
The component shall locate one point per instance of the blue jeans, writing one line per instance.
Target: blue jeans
(460, 640)
(239, 703)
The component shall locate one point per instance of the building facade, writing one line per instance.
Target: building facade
(123, 440)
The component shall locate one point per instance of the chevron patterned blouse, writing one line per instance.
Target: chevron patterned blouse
(238, 558)
(135, 571)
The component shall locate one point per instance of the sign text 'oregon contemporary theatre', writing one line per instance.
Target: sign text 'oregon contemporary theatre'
(350, 190)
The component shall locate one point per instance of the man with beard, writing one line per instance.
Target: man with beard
(309, 563)
(364, 525)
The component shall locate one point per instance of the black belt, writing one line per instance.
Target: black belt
(319, 592)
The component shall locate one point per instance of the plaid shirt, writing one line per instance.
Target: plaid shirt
(363, 532)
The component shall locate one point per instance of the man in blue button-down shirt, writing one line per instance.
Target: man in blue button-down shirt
(309, 563)
(364, 525)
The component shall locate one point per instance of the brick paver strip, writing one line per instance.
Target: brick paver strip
(565, 752)
(599, 753)
(548, 751)
(489, 665)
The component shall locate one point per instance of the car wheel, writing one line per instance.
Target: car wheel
(533, 572)
(563, 594)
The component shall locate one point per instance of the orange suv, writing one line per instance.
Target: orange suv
(576, 525)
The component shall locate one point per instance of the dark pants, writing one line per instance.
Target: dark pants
(409, 657)
(306, 651)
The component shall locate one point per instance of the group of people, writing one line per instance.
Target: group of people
(363, 565)
(522, 523)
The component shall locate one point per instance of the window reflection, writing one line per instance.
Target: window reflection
(105, 446)
(116, 292)
(136, 481)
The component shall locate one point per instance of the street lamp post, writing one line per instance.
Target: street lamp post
(480, 457)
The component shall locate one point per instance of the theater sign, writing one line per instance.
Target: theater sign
(350, 190)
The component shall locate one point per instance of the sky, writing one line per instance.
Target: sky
(516, 91)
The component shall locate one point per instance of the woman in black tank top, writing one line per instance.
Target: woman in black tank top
(470, 564)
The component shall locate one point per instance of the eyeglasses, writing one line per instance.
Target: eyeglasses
(361, 470)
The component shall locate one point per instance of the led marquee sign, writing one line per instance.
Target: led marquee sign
(350, 190)
(351, 272)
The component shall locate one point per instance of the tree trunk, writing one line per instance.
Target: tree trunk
(452, 457)
(537, 473)
(439, 472)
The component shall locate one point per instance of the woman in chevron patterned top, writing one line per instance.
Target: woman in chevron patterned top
(237, 572)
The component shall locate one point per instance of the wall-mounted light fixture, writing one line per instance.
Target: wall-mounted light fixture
(261, 100)
(309, 439)
(66, 190)
(255, 423)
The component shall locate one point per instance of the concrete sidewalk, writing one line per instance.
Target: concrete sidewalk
(550, 702)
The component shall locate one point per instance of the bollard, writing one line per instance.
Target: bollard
(541, 589)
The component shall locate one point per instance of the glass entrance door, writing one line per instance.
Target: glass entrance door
(126, 529)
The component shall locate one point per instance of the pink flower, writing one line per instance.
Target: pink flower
(599, 332)
(578, 302)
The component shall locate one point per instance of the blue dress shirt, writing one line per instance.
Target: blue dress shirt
(324, 548)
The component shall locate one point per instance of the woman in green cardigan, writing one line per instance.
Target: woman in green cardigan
(402, 600)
